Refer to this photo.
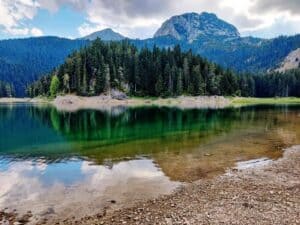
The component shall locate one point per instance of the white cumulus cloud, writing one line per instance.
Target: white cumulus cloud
(136, 18)
(14, 13)
(36, 32)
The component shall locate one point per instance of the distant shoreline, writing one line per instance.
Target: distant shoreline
(74, 103)
(102, 102)
(23, 100)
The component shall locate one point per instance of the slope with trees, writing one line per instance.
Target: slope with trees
(23, 61)
(158, 72)
(6, 90)
(278, 84)
(120, 65)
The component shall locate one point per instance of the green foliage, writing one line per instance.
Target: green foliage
(158, 72)
(278, 84)
(23, 61)
(228, 84)
(54, 85)
(66, 83)
(159, 84)
(6, 89)
(245, 54)
(241, 101)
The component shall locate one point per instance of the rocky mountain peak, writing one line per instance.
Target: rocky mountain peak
(191, 26)
(105, 35)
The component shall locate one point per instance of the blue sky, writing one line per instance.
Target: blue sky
(62, 23)
(141, 18)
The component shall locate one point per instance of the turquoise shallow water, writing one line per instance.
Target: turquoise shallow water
(57, 159)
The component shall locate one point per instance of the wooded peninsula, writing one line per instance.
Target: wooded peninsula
(103, 66)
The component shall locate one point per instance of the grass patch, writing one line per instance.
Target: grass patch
(239, 101)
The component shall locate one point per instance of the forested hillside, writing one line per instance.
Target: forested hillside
(6, 89)
(243, 54)
(23, 61)
(278, 84)
(158, 72)
(220, 42)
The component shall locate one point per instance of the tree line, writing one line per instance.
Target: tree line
(22, 61)
(6, 89)
(104, 66)
(277, 84)
(158, 72)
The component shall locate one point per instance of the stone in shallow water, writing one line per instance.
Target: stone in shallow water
(252, 163)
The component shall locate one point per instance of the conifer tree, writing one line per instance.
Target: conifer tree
(54, 86)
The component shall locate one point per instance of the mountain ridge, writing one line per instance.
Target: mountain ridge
(106, 35)
(190, 26)
(25, 60)
(22, 61)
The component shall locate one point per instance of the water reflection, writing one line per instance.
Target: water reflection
(51, 159)
(28, 132)
(78, 185)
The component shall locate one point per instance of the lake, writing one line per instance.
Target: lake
(74, 163)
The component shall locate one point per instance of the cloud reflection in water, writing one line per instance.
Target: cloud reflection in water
(70, 186)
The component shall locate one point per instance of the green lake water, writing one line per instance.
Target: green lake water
(51, 161)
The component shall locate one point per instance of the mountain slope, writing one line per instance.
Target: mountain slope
(244, 54)
(247, 54)
(25, 60)
(292, 61)
(220, 42)
(105, 35)
(22, 61)
(191, 26)
(158, 72)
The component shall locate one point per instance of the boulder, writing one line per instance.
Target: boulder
(118, 95)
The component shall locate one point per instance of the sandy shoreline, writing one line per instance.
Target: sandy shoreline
(268, 193)
(74, 103)
(23, 100)
(262, 192)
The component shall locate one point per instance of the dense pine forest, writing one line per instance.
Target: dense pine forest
(6, 89)
(103, 66)
(158, 72)
(22, 61)
(277, 84)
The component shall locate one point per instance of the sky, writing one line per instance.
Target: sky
(141, 18)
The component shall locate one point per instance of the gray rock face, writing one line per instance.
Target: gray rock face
(190, 26)
(292, 61)
(105, 35)
(118, 95)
